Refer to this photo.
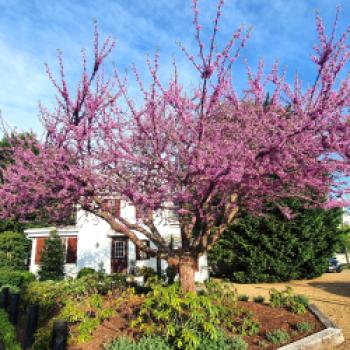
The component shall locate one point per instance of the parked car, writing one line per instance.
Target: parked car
(334, 265)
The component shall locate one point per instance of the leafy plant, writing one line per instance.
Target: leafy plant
(86, 271)
(259, 299)
(280, 298)
(304, 327)
(223, 343)
(145, 343)
(262, 344)
(183, 318)
(277, 336)
(15, 278)
(243, 297)
(295, 303)
(8, 333)
(14, 250)
(248, 325)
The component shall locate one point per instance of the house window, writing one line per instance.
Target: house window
(119, 248)
(69, 247)
(141, 255)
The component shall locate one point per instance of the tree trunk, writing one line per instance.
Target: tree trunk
(186, 270)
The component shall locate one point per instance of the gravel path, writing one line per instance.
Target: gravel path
(330, 292)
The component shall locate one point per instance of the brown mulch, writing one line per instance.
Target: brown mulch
(277, 318)
(329, 292)
(115, 327)
(268, 317)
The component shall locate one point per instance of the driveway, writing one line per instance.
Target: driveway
(330, 292)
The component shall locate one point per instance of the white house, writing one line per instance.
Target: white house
(92, 243)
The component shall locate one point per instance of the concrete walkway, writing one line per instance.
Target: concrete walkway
(330, 292)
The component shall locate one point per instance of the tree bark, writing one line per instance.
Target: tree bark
(187, 266)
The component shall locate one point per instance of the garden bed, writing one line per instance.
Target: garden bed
(102, 310)
(269, 318)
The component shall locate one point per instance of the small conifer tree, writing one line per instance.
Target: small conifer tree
(52, 259)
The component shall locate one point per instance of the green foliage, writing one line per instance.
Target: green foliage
(223, 343)
(272, 248)
(262, 344)
(15, 278)
(74, 312)
(145, 343)
(78, 301)
(14, 250)
(8, 333)
(286, 298)
(243, 297)
(147, 273)
(277, 336)
(181, 317)
(159, 343)
(85, 271)
(52, 259)
(304, 327)
(248, 325)
(259, 299)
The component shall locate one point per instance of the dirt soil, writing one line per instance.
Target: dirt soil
(330, 293)
(276, 318)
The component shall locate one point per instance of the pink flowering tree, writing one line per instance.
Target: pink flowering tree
(202, 154)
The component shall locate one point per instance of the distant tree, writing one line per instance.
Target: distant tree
(14, 250)
(344, 244)
(52, 259)
(272, 248)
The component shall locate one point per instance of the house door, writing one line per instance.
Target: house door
(119, 254)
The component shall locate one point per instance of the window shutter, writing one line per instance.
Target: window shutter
(71, 250)
(40, 245)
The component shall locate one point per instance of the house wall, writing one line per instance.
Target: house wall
(33, 234)
(95, 238)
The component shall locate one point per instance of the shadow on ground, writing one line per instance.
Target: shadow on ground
(338, 288)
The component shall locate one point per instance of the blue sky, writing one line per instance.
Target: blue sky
(31, 31)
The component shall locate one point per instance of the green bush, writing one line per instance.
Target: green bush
(286, 249)
(14, 250)
(52, 259)
(85, 271)
(248, 325)
(259, 299)
(304, 327)
(223, 343)
(180, 317)
(15, 278)
(8, 333)
(277, 336)
(295, 303)
(243, 297)
(145, 343)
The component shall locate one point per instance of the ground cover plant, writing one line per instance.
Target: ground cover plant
(211, 150)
